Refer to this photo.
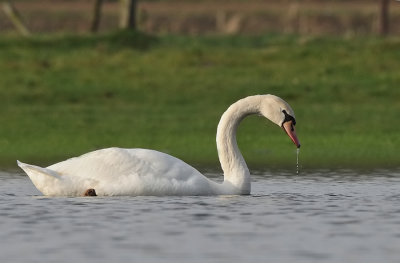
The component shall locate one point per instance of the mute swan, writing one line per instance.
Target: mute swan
(117, 171)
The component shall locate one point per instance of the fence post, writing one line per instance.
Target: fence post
(128, 14)
(96, 16)
(384, 18)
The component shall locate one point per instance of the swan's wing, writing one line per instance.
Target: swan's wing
(116, 171)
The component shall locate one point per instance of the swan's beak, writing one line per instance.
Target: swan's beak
(289, 129)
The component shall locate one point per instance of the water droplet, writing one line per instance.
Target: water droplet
(297, 162)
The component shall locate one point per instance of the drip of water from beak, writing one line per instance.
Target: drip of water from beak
(297, 162)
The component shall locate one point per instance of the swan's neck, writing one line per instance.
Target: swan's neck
(232, 162)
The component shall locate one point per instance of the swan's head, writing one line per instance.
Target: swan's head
(279, 112)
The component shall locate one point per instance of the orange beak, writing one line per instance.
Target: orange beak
(289, 129)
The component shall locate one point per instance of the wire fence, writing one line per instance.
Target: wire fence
(317, 17)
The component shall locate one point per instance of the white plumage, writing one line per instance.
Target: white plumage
(117, 171)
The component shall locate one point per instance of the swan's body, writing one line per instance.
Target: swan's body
(116, 171)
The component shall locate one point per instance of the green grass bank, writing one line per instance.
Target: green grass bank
(62, 96)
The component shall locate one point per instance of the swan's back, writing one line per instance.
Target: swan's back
(117, 171)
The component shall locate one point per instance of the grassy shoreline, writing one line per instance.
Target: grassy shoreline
(62, 96)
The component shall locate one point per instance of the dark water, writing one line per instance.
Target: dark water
(339, 216)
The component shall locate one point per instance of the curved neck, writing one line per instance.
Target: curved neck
(232, 162)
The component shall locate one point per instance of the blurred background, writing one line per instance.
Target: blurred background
(189, 17)
(81, 75)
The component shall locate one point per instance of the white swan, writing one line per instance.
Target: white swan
(116, 171)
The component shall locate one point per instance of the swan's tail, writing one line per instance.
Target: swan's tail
(33, 170)
(45, 180)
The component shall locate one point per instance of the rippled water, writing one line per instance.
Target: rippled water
(339, 216)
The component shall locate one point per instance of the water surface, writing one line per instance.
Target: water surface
(323, 216)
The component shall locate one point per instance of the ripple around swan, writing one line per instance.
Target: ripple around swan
(315, 217)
